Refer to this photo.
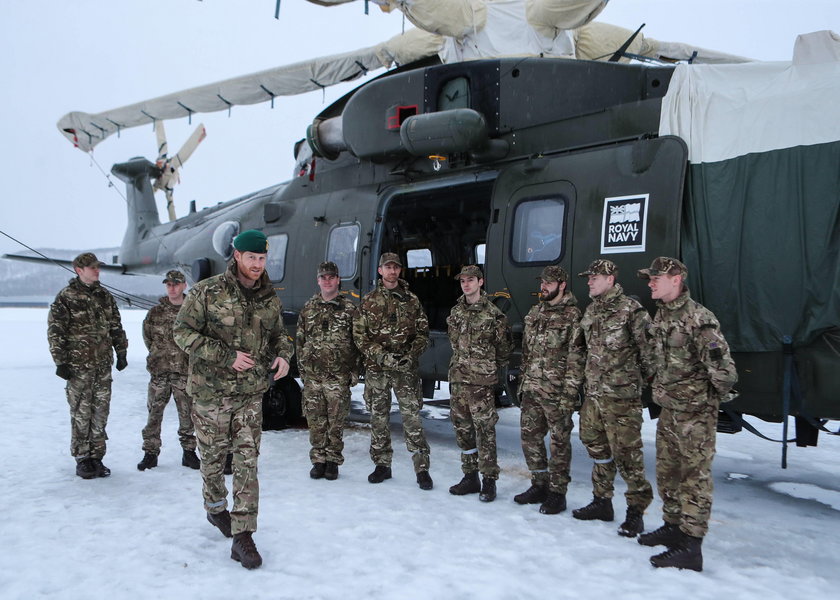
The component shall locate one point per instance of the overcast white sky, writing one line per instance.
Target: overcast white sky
(93, 55)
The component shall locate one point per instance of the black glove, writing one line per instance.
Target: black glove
(122, 363)
(64, 371)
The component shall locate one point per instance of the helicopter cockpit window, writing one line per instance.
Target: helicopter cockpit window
(275, 262)
(342, 247)
(223, 238)
(455, 93)
(538, 230)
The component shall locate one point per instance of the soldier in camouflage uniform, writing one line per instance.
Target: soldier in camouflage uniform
(548, 392)
(231, 327)
(693, 373)
(614, 327)
(481, 344)
(329, 365)
(391, 331)
(84, 331)
(168, 366)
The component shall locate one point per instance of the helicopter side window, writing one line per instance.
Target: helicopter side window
(275, 262)
(479, 252)
(419, 258)
(538, 230)
(342, 248)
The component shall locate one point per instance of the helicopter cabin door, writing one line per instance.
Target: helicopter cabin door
(620, 202)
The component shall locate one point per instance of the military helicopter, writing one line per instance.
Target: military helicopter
(558, 153)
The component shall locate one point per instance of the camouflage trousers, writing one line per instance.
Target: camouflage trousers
(89, 397)
(326, 405)
(161, 387)
(473, 414)
(406, 388)
(685, 447)
(230, 424)
(540, 416)
(611, 430)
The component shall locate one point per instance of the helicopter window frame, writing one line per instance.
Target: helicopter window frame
(342, 262)
(278, 246)
(522, 227)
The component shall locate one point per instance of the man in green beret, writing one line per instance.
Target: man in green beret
(84, 331)
(168, 366)
(230, 325)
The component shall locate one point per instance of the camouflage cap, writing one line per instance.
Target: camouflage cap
(554, 273)
(252, 240)
(86, 259)
(328, 268)
(470, 271)
(389, 257)
(663, 265)
(601, 266)
(175, 276)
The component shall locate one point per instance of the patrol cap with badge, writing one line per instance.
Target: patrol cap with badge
(600, 266)
(87, 259)
(174, 276)
(663, 265)
(470, 271)
(554, 273)
(390, 257)
(328, 268)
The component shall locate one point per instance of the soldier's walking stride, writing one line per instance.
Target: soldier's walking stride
(548, 390)
(84, 331)
(693, 373)
(614, 327)
(168, 366)
(391, 331)
(329, 366)
(481, 344)
(231, 327)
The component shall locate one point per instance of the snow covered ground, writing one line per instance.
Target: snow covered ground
(774, 532)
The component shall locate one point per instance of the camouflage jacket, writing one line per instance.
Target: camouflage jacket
(324, 340)
(219, 317)
(481, 342)
(690, 357)
(550, 331)
(164, 354)
(83, 325)
(615, 330)
(390, 325)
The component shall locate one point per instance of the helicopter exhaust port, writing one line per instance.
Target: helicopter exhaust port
(326, 138)
(449, 132)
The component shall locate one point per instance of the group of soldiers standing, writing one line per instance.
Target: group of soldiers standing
(216, 349)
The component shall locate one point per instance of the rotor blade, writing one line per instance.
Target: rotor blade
(87, 130)
(189, 147)
(160, 134)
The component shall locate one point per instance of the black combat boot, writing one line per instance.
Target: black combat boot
(633, 523)
(488, 490)
(229, 465)
(149, 462)
(533, 495)
(331, 471)
(190, 459)
(554, 503)
(244, 550)
(221, 521)
(469, 484)
(85, 468)
(686, 555)
(667, 535)
(380, 474)
(599, 509)
(424, 480)
(101, 470)
(317, 470)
